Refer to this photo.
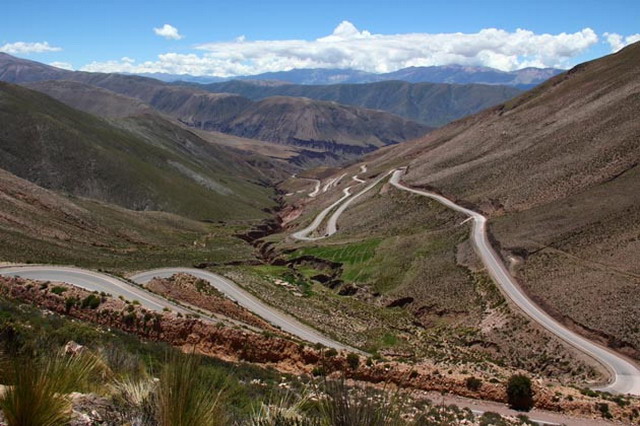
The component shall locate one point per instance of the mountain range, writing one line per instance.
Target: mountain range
(432, 104)
(456, 74)
(343, 122)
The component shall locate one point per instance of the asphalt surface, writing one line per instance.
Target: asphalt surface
(626, 375)
(233, 291)
(342, 204)
(304, 233)
(96, 281)
(332, 223)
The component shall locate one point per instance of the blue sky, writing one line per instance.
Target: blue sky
(378, 35)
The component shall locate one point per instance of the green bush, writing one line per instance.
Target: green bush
(185, 398)
(91, 301)
(520, 392)
(331, 352)
(603, 408)
(69, 303)
(473, 383)
(58, 290)
(353, 360)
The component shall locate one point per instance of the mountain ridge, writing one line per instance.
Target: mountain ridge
(523, 78)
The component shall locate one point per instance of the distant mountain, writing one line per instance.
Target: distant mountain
(17, 70)
(428, 103)
(523, 78)
(181, 77)
(455, 74)
(91, 99)
(327, 126)
(315, 76)
(324, 126)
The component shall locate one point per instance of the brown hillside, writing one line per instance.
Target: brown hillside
(557, 170)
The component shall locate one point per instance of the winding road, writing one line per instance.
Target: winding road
(96, 281)
(626, 375)
(342, 204)
(304, 233)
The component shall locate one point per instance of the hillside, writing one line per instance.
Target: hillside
(325, 125)
(557, 171)
(334, 128)
(428, 103)
(91, 99)
(330, 126)
(141, 163)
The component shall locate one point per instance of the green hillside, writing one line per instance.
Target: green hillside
(141, 163)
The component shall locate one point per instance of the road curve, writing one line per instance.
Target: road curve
(316, 189)
(332, 223)
(96, 281)
(304, 233)
(93, 281)
(626, 375)
(245, 299)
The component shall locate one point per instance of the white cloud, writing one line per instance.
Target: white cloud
(348, 47)
(617, 41)
(63, 65)
(168, 31)
(21, 47)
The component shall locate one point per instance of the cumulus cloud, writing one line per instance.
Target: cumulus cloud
(21, 47)
(63, 65)
(617, 41)
(168, 31)
(349, 47)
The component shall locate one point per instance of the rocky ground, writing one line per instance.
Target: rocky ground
(234, 344)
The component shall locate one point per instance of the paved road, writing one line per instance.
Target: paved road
(342, 204)
(332, 224)
(626, 375)
(316, 189)
(304, 233)
(247, 300)
(95, 281)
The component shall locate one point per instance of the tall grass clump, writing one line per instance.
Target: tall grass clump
(360, 407)
(183, 398)
(37, 388)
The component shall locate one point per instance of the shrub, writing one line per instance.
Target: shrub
(69, 303)
(361, 407)
(318, 371)
(520, 392)
(331, 352)
(473, 383)
(353, 360)
(91, 301)
(58, 290)
(603, 408)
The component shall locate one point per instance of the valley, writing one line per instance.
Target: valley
(409, 236)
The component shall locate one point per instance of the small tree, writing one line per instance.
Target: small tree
(520, 392)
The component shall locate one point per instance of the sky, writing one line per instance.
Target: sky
(247, 37)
